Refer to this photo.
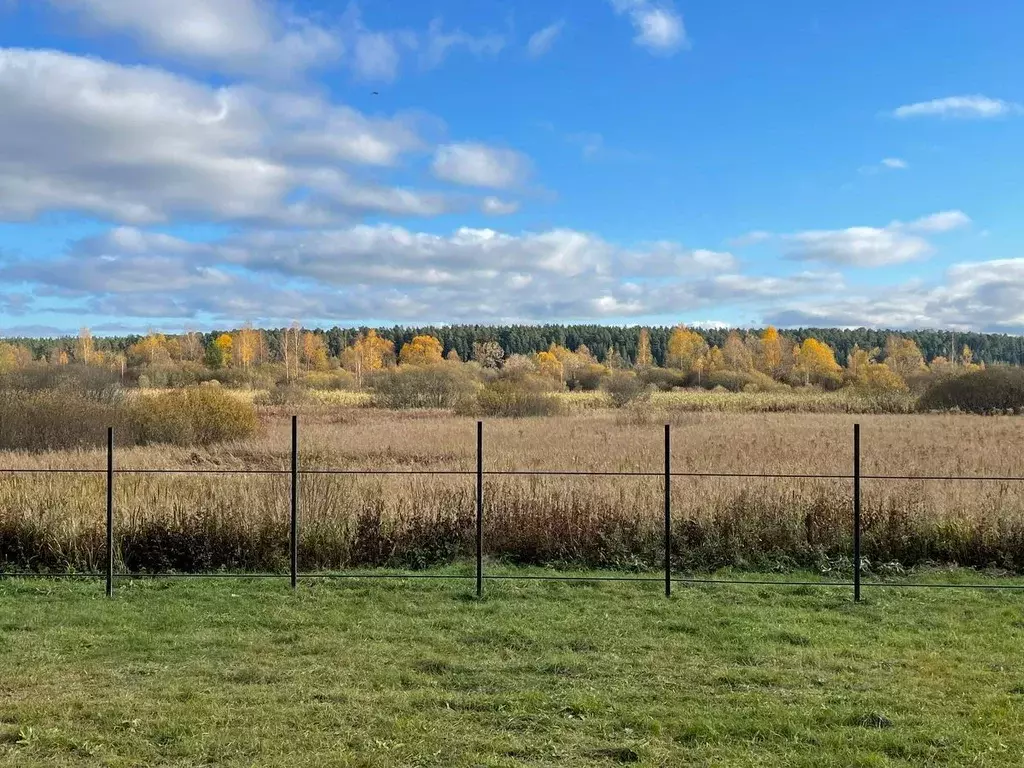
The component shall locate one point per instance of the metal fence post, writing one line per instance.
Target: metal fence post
(479, 509)
(668, 511)
(110, 511)
(856, 513)
(295, 503)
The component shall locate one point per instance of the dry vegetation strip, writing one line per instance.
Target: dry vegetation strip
(239, 522)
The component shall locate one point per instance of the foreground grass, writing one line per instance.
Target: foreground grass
(419, 673)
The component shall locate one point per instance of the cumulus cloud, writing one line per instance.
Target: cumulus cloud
(981, 296)
(495, 206)
(480, 165)
(542, 40)
(659, 27)
(140, 145)
(872, 246)
(943, 221)
(977, 107)
(393, 272)
(232, 35)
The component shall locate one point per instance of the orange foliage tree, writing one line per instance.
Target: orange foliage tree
(816, 362)
(685, 349)
(314, 352)
(422, 350)
(770, 359)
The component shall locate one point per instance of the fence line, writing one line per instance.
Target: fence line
(668, 579)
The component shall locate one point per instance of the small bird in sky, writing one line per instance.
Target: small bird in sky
(375, 94)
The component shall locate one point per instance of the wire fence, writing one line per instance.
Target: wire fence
(668, 579)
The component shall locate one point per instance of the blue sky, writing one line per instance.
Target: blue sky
(203, 163)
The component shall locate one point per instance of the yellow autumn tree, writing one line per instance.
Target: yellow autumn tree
(715, 360)
(368, 353)
(225, 344)
(737, 354)
(685, 348)
(246, 346)
(769, 361)
(644, 358)
(13, 357)
(422, 350)
(816, 363)
(858, 359)
(903, 356)
(151, 349)
(314, 352)
(879, 378)
(550, 366)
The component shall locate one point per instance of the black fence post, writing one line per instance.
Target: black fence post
(110, 511)
(479, 509)
(856, 513)
(668, 511)
(295, 503)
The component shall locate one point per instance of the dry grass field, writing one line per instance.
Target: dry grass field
(186, 522)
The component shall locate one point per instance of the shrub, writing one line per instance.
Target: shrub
(199, 416)
(443, 385)
(55, 419)
(985, 391)
(517, 397)
(624, 388)
(742, 381)
(586, 377)
(283, 394)
(86, 381)
(164, 375)
(335, 380)
(664, 379)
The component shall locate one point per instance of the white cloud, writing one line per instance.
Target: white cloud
(234, 35)
(976, 106)
(659, 27)
(437, 44)
(980, 296)
(375, 55)
(887, 164)
(941, 222)
(391, 272)
(479, 165)
(140, 145)
(542, 40)
(495, 206)
(872, 246)
(858, 246)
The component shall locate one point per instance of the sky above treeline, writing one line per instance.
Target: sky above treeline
(203, 163)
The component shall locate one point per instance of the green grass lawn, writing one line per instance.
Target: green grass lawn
(420, 673)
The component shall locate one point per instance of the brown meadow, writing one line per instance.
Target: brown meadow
(206, 522)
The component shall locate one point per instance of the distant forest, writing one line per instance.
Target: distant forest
(528, 339)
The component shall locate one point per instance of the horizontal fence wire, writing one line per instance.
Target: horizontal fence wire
(670, 577)
(51, 471)
(515, 473)
(512, 577)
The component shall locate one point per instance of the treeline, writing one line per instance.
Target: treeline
(598, 339)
